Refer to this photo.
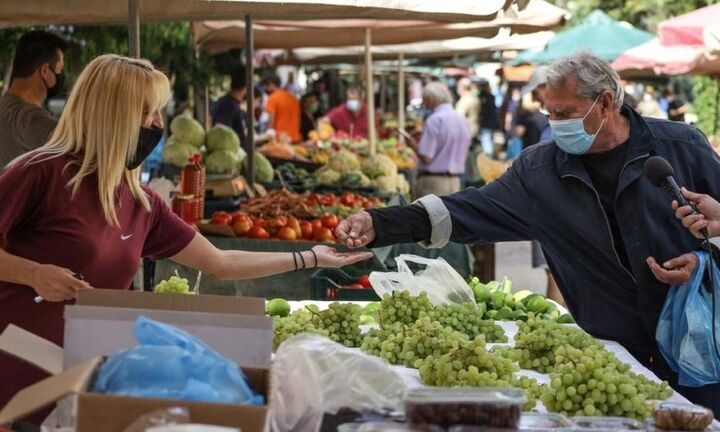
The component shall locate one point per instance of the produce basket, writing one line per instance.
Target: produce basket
(327, 284)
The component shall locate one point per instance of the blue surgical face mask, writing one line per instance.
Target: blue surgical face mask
(353, 105)
(570, 134)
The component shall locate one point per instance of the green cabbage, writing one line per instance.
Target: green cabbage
(222, 162)
(221, 137)
(177, 153)
(264, 172)
(343, 161)
(379, 165)
(188, 130)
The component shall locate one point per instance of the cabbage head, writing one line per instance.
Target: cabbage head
(222, 162)
(264, 172)
(221, 137)
(188, 130)
(177, 153)
(379, 165)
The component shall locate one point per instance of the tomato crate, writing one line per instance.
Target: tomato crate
(328, 284)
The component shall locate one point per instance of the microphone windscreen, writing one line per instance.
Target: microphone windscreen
(656, 169)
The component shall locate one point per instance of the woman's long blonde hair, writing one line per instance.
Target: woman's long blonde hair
(101, 124)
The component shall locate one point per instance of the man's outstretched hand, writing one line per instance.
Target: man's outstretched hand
(357, 230)
(676, 271)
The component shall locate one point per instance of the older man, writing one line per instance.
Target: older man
(584, 197)
(444, 144)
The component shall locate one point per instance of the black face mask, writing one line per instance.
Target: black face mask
(58, 88)
(147, 141)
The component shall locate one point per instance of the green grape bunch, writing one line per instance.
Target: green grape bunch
(296, 323)
(468, 319)
(592, 381)
(341, 321)
(174, 285)
(401, 307)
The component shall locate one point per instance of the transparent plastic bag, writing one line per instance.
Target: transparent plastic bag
(443, 285)
(685, 328)
(312, 376)
(172, 364)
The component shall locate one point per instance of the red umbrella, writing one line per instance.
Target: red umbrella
(688, 29)
(653, 58)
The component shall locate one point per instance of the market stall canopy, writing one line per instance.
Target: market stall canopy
(653, 58)
(598, 32)
(688, 29)
(430, 49)
(218, 36)
(711, 37)
(18, 13)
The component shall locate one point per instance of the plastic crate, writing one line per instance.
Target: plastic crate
(326, 284)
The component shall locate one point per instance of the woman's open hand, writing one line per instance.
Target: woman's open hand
(329, 257)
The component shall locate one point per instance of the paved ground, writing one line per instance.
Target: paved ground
(512, 259)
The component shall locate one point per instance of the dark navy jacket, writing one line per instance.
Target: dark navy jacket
(548, 196)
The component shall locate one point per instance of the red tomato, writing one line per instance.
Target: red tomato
(287, 233)
(349, 199)
(239, 216)
(330, 221)
(306, 230)
(316, 224)
(259, 222)
(295, 225)
(324, 235)
(221, 218)
(258, 232)
(355, 286)
(364, 280)
(242, 227)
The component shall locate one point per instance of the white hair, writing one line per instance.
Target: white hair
(437, 93)
(594, 76)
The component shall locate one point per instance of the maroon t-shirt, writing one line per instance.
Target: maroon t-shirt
(42, 222)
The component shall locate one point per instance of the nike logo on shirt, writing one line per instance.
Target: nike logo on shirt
(125, 237)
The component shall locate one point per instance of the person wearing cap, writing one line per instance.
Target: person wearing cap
(584, 197)
(536, 87)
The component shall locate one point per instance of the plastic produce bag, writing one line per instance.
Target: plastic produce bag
(684, 331)
(172, 364)
(443, 285)
(313, 375)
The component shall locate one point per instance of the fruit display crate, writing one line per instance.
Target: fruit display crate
(328, 284)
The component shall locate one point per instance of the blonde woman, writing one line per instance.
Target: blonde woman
(75, 208)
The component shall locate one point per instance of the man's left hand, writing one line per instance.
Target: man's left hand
(676, 271)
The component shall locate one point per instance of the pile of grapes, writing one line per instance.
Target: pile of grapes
(174, 285)
(448, 346)
(537, 340)
(591, 381)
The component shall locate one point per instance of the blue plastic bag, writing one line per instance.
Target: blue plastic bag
(172, 364)
(684, 331)
(514, 147)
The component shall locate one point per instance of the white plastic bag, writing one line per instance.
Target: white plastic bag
(312, 375)
(443, 285)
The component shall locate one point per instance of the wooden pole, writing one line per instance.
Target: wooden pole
(369, 91)
(401, 96)
(134, 28)
(249, 97)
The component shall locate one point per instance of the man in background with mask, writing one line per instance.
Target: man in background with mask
(351, 116)
(584, 197)
(37, 76)
(283, 109)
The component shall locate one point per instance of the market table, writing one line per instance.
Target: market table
(412, 377)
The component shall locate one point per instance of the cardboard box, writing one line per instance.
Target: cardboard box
(108, 413)
(102, 323)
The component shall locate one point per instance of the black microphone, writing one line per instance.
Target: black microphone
(661, 174)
